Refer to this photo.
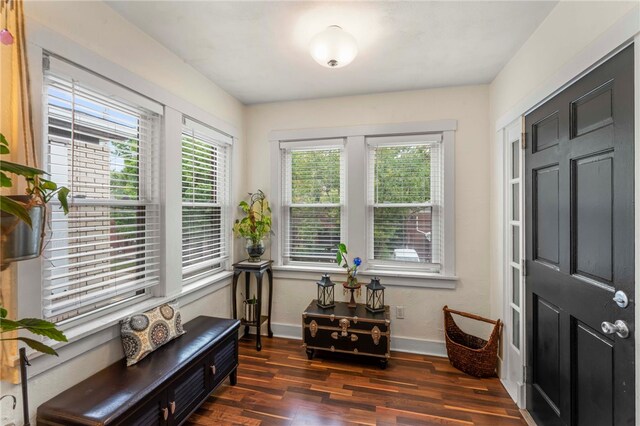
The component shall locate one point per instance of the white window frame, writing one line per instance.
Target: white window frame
(283, 206)
(94, 330)
(222, 142)
(436, 204)
(356, 200)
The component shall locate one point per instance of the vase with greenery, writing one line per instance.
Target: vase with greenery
(255, 225)
(351, 285)
(22, 217)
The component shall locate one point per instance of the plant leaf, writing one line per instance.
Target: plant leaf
(8, 325)
(3, 311)
(38, 346)
(42, 328)
(3, 140)
(15, 208)
(5, 181)
(338, 257)
(47, 184)
(342, 248)
(20, 169)
(4, 149)
(63, 192)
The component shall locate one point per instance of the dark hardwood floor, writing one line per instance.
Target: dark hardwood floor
(279, 386)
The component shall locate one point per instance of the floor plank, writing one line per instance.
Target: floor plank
(279, 386)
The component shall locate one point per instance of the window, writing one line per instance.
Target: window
(404, 201)
(205, 188)
(313, 188)
(101, 144)
(386, 191)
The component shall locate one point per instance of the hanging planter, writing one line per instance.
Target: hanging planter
(19, 240)
(22, 217)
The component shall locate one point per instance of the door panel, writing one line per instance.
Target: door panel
(593, 382)
(579, 212)
(593, 207)
(547, 217)
(547, 352)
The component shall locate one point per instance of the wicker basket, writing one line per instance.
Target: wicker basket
(471, 354)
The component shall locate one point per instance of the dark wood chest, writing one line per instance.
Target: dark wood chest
(345, 330)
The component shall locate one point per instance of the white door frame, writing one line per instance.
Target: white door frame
(620, 35)
(513, 359)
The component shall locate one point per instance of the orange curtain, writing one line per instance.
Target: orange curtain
(16, 126)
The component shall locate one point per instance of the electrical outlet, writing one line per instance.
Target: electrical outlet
(400, 312)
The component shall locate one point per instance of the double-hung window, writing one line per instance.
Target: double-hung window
(101, 142)
(205, 193)
(405, 202)
(313, 200)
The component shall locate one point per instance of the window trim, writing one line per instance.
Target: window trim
(355, 194)
(221, 141)
(28, 273)
(283, 210)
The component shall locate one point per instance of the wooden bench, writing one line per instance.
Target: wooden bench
(162, 389)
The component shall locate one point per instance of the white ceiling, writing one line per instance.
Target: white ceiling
(258, 51)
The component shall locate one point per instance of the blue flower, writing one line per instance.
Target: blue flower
(357, 261)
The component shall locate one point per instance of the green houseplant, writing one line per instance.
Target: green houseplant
(255, 225)
(22, 217)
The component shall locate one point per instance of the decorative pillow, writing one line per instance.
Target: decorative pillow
(143, 333)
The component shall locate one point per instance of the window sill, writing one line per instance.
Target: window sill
(389, 278)
(88, 335)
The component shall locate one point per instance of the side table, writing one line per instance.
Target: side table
(258, 269)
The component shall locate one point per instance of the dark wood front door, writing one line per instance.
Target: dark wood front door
(580, 250)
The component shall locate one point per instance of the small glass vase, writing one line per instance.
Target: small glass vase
(255, 250)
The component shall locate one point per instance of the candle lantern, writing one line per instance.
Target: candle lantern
(325, 292)
(375, 296)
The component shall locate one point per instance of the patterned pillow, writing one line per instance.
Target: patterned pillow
(143, 333)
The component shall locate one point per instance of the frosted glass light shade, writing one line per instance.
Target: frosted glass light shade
(333, 47)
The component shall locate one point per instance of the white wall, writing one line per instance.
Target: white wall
(568, 30)
(96, 27)
(423, 306)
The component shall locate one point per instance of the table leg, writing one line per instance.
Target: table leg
(247, 289)
(235, 298)
(259, 310)
(270, 276)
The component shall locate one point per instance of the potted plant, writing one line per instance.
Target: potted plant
(255, 225)
(22, 217)
(351, 285)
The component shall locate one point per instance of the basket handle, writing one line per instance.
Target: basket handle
(468, 315)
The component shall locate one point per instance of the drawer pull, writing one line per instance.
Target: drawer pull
(165, 413)
(172, 405)
(354, 337)
(213, 370)
(375, 334)
(344, 325)
(313, 328)
(334, 335)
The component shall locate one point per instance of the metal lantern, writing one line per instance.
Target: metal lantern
(375, 296)
(325, 292)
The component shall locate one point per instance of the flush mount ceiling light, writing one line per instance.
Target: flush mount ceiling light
(333, 47)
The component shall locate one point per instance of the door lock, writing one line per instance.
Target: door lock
(621, 299)
(619, 327)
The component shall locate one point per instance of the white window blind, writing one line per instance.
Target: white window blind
(205, 188)
(101, 146)
(405, 201)
(313, 201)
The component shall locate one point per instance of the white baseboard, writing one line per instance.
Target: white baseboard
(402, 344)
